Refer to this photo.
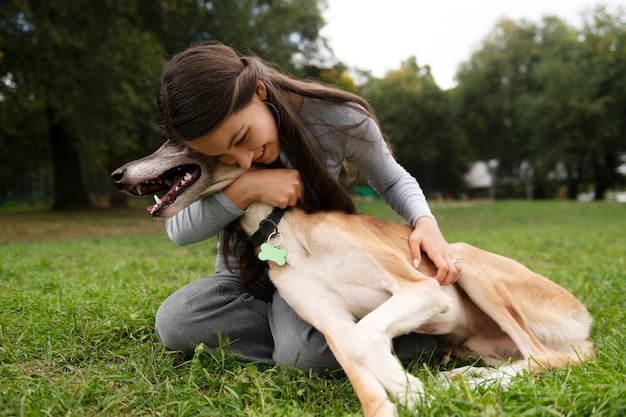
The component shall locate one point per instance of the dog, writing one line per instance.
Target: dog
(351, 277)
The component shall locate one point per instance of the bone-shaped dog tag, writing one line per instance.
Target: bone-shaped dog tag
(273, 253)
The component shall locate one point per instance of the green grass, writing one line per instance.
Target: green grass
(78, 294)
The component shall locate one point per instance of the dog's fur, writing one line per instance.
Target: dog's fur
(351, 277)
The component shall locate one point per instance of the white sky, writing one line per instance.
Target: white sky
(378, 35)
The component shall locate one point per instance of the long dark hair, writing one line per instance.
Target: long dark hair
(203, 85)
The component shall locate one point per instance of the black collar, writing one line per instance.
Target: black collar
(267, 226)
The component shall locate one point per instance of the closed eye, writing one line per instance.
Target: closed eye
(242, 140)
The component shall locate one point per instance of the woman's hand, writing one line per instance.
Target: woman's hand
(428, 238)
(276, 187)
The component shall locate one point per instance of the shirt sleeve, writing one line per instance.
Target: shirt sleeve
(367, 151)
(201, 220)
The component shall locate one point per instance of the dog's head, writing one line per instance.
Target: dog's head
(182, 173)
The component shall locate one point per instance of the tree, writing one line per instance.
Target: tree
(546, 101)
(284, 32)
(337, 75)
(418, 120)
(87, 71)
(75, 66)
(552, 112)
(490, 86)
(604, 48)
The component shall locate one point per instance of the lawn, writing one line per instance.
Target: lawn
(78, 294)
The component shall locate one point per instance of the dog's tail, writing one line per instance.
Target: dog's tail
(553, 359)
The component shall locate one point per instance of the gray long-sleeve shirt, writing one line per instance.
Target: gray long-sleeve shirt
(358, 141)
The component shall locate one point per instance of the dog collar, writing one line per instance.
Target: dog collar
(267, 227)
(268, 238)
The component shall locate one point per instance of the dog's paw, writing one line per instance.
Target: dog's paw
(384, 409)
(413, 394)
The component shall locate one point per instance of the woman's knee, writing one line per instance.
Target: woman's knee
(179, 322)
(297, 343)
(214, 310)
(309, 352)
(172, 327)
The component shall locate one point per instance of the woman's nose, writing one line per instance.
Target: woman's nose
(243, 158)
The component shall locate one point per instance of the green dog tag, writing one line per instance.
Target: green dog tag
(272, 253)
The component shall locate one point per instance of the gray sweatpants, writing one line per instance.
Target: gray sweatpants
(256, 321)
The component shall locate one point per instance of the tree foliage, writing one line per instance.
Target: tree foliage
(547, 101)
(75, 68)
(79, 77)
(415, 115)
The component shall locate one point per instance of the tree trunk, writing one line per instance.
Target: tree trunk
(572, 189)
(601, 188)
(540, 191)
(69, 191)
(605, 173)
(573, 181)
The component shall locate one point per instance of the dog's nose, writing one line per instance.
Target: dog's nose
(118, 175)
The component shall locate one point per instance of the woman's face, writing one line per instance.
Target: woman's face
(246, 137)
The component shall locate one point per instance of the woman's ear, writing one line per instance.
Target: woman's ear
(261, 90)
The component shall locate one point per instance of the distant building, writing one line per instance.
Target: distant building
(480, 180)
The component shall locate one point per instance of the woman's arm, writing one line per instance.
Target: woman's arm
(205, 218)
(367, 150)
(201, 220)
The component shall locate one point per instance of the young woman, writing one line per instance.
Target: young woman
(242, 111)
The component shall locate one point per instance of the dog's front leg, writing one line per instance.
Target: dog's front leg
(327, 312)
(347, 346)
(411, 305)
(338, 327)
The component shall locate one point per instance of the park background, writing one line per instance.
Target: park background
(537, 111)
(83, 269)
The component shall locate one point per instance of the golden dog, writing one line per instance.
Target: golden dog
(351, 277)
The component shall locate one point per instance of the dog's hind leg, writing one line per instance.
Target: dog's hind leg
(543, 326)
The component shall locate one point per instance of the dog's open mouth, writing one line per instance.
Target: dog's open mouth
(175, 181)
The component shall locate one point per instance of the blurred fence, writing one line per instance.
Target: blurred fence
(38, 185)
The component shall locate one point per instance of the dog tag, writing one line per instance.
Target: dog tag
(273, 253)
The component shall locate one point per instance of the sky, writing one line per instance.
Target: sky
(377, 35)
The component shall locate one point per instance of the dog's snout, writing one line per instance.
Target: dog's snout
(118, 175)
